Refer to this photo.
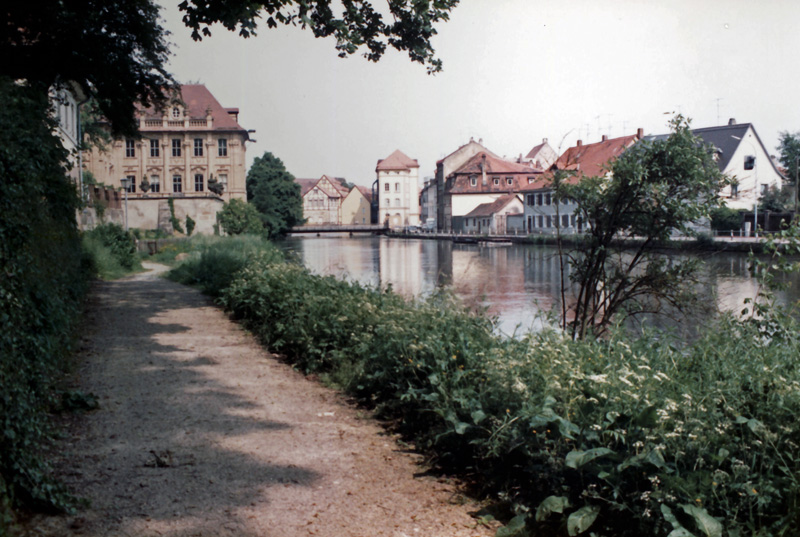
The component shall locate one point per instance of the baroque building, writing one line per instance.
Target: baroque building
(186, 145)
(398, 190)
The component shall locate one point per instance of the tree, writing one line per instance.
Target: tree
(789, 147)
(654, 190)
(775, 199)
(238, 217)
(359, 24)
(275, 195)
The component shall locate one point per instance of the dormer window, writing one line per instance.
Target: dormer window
(176, 112)
(473, 180)
(509, 181)
(496, 181)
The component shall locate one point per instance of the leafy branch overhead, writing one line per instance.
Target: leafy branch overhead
(356, 24)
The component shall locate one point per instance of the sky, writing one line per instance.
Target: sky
(515, 72)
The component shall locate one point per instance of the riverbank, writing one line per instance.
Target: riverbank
(201, 432)
(718, 244)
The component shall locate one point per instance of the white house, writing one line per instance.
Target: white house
(398, 190)
(741, 155)
(492, 217)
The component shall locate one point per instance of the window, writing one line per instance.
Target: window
(496, 181)
(564, 220)
(176, 148)
(541, 221)
(509, 181)
(386, 187)
(530, 222)
(130, 149)
(397, 187)
(749, 162)
(397, 202)
(154, 149)
(155, 184)
(547, 200)
(198, 182)
(530, 179)
(176, 112)
(530, 199)
(131, 183)
(176, 183)
(473, 181)
(735, 191)
(539, 202)
(573, 220)
(223, 180)
(198, 147)
(222, 147)
(549, 221)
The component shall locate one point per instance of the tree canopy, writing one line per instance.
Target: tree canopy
(117, 50)
(354, 24)
(654, 190)
(275, 195)
(238, 217)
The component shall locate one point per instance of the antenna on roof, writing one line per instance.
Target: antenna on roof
(718, 99)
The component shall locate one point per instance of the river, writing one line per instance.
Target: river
(514, 283)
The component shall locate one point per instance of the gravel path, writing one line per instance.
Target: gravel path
(200, 432)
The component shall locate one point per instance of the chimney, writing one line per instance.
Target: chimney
(484, 182)
(580, 143)
(732, 121)
(639, 133)
(544, 140)
(604, 138)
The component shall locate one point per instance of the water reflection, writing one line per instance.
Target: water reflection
(515, 283)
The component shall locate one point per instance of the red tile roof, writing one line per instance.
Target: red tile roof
(488, 209)
(199, 101)
(366, 191)
(397, 161)
(306, 185)
(590, 159)
(496, 168)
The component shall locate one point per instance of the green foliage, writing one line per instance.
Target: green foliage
(238, 217)
(360, 24)
(622, 436)
(654, 190)
(215, 262)
(42, 286)
(115, 50)
(176, 224)
(190, 223)
(789, 147)
(275, 195)
(726, 219)
(111, 250)
(776, 199)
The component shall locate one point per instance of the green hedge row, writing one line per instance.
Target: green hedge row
(628, 436)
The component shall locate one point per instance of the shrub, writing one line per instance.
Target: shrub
(625, 436)
(190, 223)
(238, 217)
(120, 246)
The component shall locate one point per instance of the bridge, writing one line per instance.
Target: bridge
(344, 228)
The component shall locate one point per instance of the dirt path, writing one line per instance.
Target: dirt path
(202, 433)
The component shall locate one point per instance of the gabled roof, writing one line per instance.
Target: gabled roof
(488, 152)
(590, 159)
(198, 101)
(494, 166)
(306, 185)
(722, 138)
(366, 192)
(460, 180)
(488, 209)
(397, 161)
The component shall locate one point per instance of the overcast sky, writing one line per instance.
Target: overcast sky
(515, 72)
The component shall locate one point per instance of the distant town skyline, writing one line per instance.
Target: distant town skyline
(515, 72)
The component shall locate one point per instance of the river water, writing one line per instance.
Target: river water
(514, 283)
